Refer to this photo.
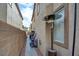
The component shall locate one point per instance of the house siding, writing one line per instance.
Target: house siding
(43, 29)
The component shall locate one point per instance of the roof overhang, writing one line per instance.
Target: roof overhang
(19, 10)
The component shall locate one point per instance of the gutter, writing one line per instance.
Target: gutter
(19, 10)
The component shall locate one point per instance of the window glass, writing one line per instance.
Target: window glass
(59, 26)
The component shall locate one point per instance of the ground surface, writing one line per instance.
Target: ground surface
(28, 50)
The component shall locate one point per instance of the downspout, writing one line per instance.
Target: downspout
(74, 34)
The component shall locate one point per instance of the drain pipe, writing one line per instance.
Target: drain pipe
(74, 34)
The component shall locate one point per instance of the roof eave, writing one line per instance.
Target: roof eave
(19, 10)
(33, 11)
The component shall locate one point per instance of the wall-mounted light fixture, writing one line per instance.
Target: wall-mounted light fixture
(49, 17)
(55, 16)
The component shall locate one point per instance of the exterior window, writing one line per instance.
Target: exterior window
(59, 26)
(60, 30)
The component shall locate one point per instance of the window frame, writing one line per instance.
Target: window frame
(66, 27)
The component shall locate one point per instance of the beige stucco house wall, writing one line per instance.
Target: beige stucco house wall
(11, 14)
(39, 29)
(43, 29)
(12, 37)
(3, 12)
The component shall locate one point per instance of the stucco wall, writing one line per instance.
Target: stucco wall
(33, 23)
(3, 12)
(42, 28)
(13, 16)
(56, 5)
(39, 27)
(12, 40)
(49, 10)
(10, 15)
(44, 32)
(48, 37)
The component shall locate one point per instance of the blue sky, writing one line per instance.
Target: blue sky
(26, 10)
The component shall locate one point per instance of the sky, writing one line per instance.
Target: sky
(26, 10)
